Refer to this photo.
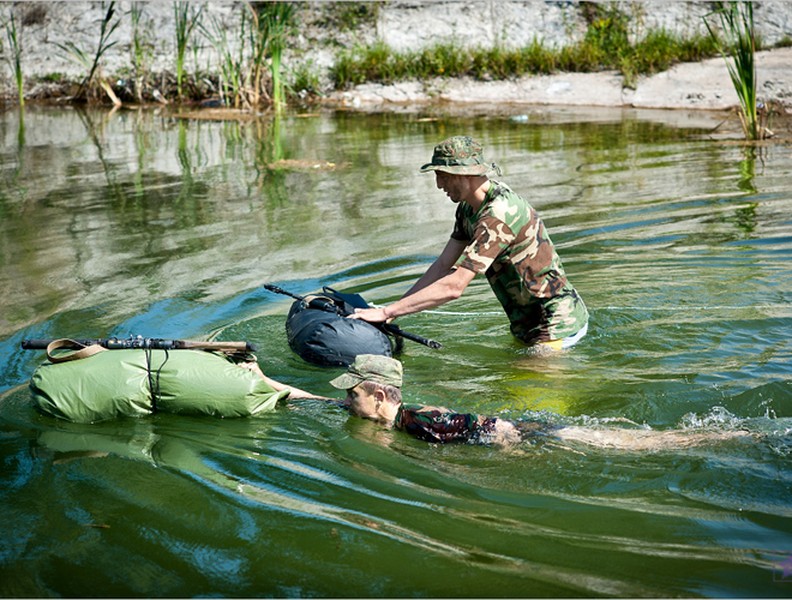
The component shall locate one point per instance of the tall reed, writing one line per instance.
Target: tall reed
(275, 22)
(15, 44)
(186, 18)
(232, 69)
(92, 64)
(141, 48)
(736, 19)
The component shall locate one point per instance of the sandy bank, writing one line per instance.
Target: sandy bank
(699, 86)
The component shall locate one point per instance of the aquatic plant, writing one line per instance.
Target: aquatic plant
(92, 64)
(232, 70)
(737, 23)
(261, 39)
(274, 24)
(258, 43)
(15, 45)
(141, 49)
(186, 18)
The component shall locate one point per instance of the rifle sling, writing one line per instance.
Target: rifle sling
(83, 352)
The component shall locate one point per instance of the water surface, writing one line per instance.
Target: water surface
(140, 223)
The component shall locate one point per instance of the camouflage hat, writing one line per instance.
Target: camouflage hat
(370, 367)
(458, 155)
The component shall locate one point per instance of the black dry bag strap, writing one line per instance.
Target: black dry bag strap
(154, 377)
(83, 352)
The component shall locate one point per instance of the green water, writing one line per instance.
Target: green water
(140, 223)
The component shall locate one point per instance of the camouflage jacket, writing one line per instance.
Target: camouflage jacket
(440, 425)
(507, 241)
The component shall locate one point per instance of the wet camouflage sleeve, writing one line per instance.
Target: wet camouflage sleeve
(440, 425)
(508, 242)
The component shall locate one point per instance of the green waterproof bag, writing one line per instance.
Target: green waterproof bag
(137, 382)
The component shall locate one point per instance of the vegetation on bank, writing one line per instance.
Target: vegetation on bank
(251, 72)
(606, 45)
(739, 48)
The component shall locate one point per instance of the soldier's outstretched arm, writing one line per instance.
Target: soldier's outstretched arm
(440, 267)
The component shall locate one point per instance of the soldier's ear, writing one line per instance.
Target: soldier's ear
(380, 396)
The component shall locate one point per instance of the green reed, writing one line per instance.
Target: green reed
(232, 65)
(258, 54)
(92, 62)
(186, 18)
(15, 45)
(737, 23)
(261, 39)
(141, 48)
(275, 23)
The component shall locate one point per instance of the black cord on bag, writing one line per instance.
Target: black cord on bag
(154, 378)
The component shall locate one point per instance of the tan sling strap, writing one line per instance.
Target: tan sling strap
(83, 352)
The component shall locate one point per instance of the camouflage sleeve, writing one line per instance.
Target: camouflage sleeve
(490, 238)
(438, 425)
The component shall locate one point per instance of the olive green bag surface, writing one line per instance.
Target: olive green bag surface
(137, 382)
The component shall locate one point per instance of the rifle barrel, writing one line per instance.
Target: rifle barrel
(396, 330)
(279, 290)
(154, 343)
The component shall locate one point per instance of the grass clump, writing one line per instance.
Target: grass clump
(605, 46)
(275, 21)
(186, 17)
(141, 48)
(257, 52)
(736, 19)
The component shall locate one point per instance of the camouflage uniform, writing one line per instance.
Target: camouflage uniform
(507, 241)
(440, 425)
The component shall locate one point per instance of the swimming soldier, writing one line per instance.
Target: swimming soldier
(499, 234)
(373, 391)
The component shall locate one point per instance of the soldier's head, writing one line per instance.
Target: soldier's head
(459, 155)
(459, 166)
(373, 386)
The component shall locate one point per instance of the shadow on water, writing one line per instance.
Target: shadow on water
(148, 224)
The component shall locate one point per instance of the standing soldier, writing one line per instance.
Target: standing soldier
(499, 234)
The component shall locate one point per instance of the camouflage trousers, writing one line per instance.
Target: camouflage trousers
(560, 321)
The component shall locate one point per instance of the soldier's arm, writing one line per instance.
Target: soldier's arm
(279, 387)
(445, 289)
(440, 267)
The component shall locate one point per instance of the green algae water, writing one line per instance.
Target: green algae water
(141, 223)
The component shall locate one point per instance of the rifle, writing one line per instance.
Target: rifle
(341, 309)
(137, 342)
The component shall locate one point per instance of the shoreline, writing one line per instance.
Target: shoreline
(700, 93)
(701, 86)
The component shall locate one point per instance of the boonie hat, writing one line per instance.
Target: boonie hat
(370, 367)
(459, 155)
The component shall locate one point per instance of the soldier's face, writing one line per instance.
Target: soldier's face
(361, 403)
(452, 185)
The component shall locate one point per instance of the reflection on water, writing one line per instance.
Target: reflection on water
(146, 223)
